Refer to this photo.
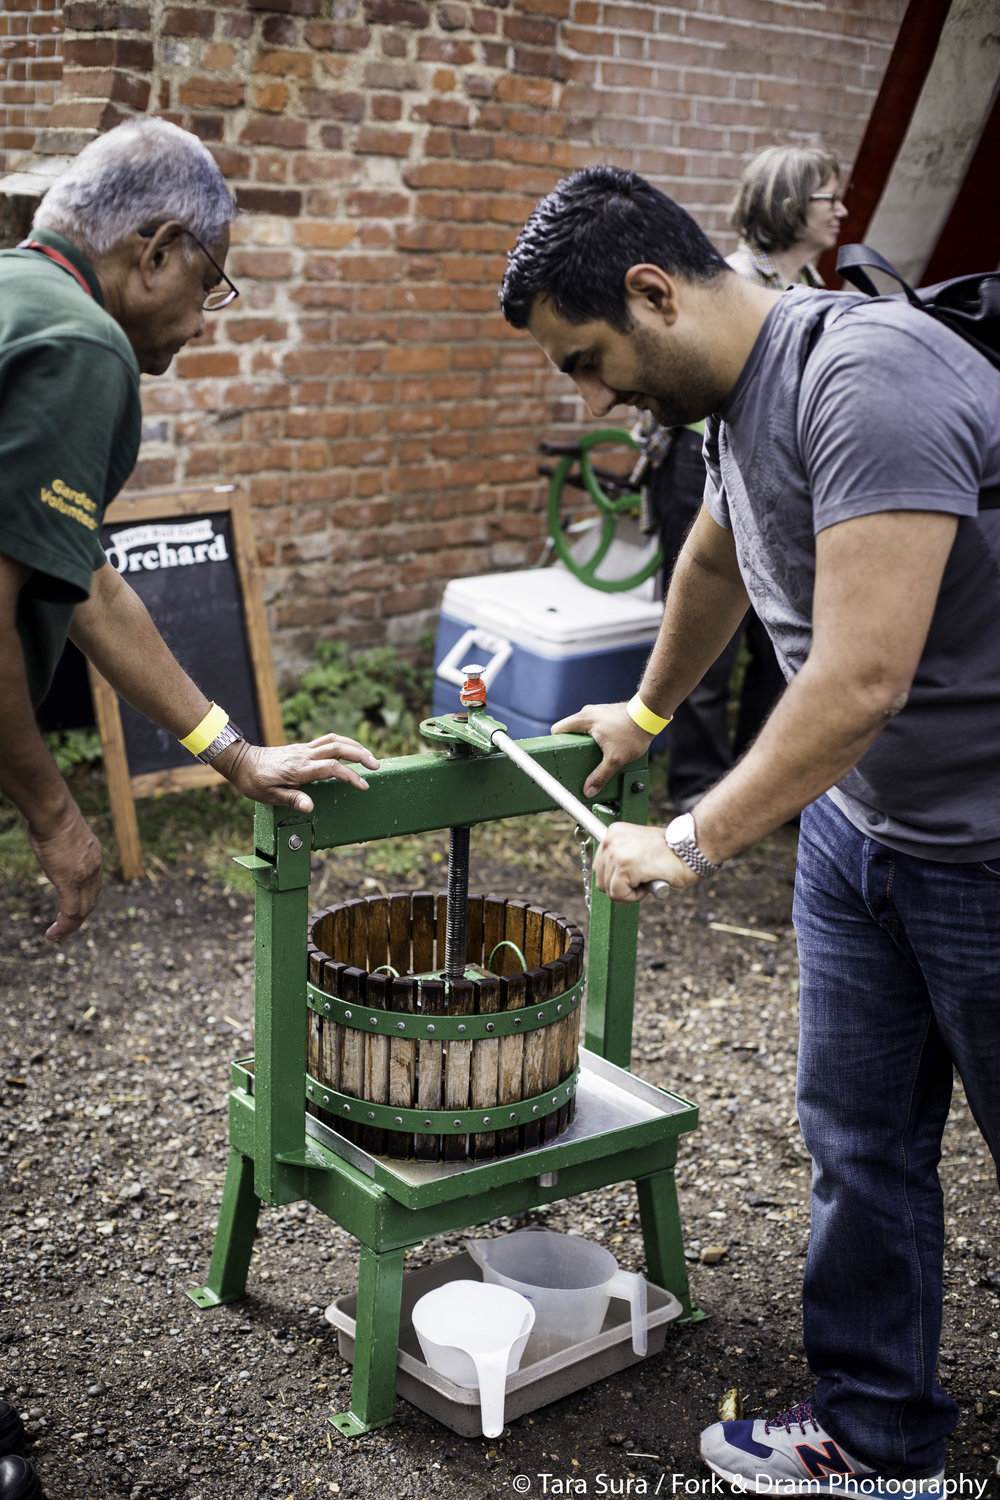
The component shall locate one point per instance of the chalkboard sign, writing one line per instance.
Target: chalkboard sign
(190, 556)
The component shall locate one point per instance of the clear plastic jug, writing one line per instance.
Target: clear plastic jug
(569, 1282)
(474, 1335)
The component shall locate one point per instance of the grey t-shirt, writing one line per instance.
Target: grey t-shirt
(884, 409)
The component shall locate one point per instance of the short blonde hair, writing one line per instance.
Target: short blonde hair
(772, 199)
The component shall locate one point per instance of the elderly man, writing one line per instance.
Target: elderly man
(846, 445)
(124, 260)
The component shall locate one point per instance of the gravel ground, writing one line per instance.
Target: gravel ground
(114, 1062)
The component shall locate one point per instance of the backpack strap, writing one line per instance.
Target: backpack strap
(851, 259)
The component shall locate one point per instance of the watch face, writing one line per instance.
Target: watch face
(681, 830)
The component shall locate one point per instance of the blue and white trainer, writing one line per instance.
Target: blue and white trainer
(792, 1454)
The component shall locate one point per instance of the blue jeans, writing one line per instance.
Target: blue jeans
(900, 982)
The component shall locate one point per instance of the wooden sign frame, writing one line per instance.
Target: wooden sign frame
(123, 787)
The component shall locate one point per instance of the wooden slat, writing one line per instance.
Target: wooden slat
(427, 1147)
(357, 916)
(378, 932)
(493, 916)
(423, 932)
(352, 1063)
(533, 919)
(402, 1060)
(485, 1065)
(458, 1067)
(513, 931)
(513, 988)
(400, 951)
(376, 1059)
(474, 930)
(533, 1070)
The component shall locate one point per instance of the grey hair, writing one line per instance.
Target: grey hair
(137, 176)
(772, 200)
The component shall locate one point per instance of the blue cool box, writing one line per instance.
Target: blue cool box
(549, 645)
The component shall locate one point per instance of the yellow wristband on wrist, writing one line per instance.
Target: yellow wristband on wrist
(204, 733)
(645, 717)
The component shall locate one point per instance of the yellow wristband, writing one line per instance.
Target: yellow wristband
(645, 717)
(204, 733)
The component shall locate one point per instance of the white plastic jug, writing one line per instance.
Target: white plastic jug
(569, 1282)
(474, 1334)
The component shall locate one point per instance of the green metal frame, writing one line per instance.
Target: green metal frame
(273, 1160)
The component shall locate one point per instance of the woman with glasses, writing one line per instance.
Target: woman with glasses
(787, 211)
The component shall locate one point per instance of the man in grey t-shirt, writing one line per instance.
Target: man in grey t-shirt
(847, 445)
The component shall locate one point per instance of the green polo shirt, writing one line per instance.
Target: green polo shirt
(70, 424)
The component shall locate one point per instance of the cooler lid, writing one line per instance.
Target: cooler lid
(550, 609)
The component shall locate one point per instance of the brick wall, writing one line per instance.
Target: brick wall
(30, 71)
(364, 389)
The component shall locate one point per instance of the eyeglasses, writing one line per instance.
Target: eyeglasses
(219, 296)
(826, 197)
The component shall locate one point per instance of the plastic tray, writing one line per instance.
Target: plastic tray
(530, 1387)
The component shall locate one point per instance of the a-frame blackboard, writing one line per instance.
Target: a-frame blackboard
(190, 555)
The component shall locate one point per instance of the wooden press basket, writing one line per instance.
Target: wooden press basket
(406, 1063)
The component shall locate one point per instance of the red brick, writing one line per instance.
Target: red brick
(284, 63)
(189, 21)
(216, 93)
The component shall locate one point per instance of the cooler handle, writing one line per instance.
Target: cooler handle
(500, 650)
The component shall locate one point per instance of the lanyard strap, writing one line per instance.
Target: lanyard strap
(59, 259)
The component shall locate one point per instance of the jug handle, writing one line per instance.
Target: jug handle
(491, 1370)
(632, 1287)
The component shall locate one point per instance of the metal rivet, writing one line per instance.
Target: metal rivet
(559, 1010)
(461, 1029)
(638, 786)
(310, 1090)
(295, 842)
(517, 1020)
(555, 1098)
(534, 1109)
(327, 1007)
(486, 1119)
(430, 1030)
(398, 1120)
(373, 1020)
(326, 1098)
(490, 1026)
(400, 1025)
(512, 1116)
(347, 1015)
(541, 1015)
(428, 1123)
(371, 1113)
(347, 1109)
(457, 1124)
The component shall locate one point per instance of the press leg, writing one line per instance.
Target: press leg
(663, 1239)
(376, 1345)
(234, 1237)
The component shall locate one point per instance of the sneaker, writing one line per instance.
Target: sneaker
(792, 1455)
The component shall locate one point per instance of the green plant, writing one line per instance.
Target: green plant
(71, 748)
(375, 696)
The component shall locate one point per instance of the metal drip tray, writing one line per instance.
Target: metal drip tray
(610, 1103)
(530, 1387)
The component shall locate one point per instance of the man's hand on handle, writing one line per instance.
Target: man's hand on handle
(616, 735)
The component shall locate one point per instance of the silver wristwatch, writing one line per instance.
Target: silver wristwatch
(226, 736)
(681, 838)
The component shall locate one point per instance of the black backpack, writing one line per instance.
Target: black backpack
(969, 305)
